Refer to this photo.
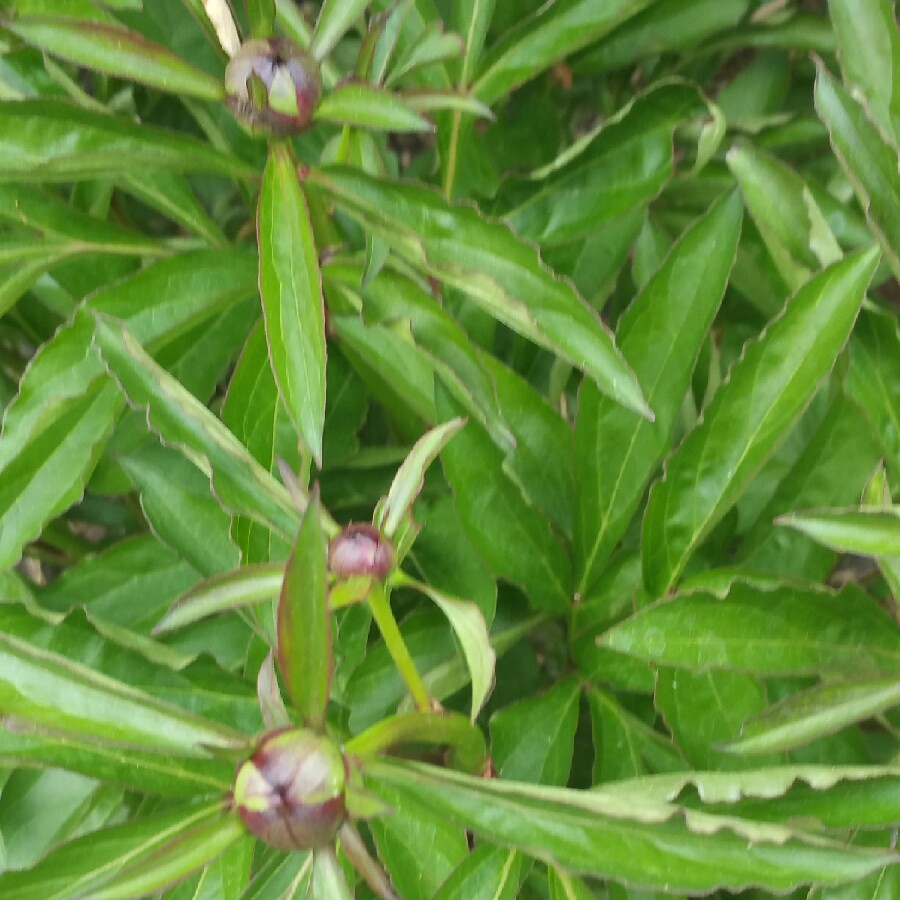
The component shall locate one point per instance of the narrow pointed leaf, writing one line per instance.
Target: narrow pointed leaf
(174, 860)
(233, 590)
(647, 845)
(471, 631)
(335, 19)
(779, 631)
(117, 51)
(52, 691)
(868, 532)
(410, 477)
(487, 873)
(766, 390)
(871, 163)
(820, 711)
(304, 624)
(869, 50)
(182, 421)
(80, 867)
(49, 140)
(485, 260)
(554, 32)
(367, 106)
(291, 288)
(141, 769)
(660, 335)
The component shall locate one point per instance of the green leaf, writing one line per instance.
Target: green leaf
(869, 51)
(55, 427)
(176, 859)
(304, 623)
(873, 379)
(867, 158)
(400, 838)
(291, 288)
(366, 106)
(44, 212)
(668, 26)
(485, 260)
(177, 502)
(783, 631)
(105, 584)
(766, 390)
(625, 746)
(618, 167)
(511, 536)
(117, 51)
(469, 625)
(808, 715)
(262, 17)
(785, 212)
(868, 532)
(328, 879)
(81, 867)
(830, 471)
(410, 477)
(233, 590)
(48, 140)
(533, 740)
(57, 693)
(487, 873)
(141, 769)
(660, 334)
(335, 18)
(704, 709)
(625, 839)
(554, 32)
(240, 482)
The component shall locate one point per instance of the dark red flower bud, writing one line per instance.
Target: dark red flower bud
(272, 86)
(290, 793)
(360, 549)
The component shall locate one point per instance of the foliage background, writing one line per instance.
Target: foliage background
(695, 616)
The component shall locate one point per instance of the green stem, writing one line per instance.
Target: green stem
(448, 729)
(387, 625)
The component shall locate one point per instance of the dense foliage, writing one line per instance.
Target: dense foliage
(583, 315)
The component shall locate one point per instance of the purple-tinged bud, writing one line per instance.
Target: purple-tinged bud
(290, 793)
(272, 86)
(361, 550)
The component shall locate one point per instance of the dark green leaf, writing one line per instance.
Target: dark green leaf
(117, 51)
(485, 260)
(552, 33)
(623, 838)
(868, 159)
(808, 715)
(661, 334)
(512, 537)
(291, 288)
(766, 390)
(47, 140)
(533, 740)
(335, 18)
(240, 482)
(367, 106)
(780, 631)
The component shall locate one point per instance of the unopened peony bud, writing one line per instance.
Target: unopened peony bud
(290, 793)
(272, 86)
(360, 549)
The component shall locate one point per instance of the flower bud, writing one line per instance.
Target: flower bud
(290, 793)
(360, 549)
(272, 86)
